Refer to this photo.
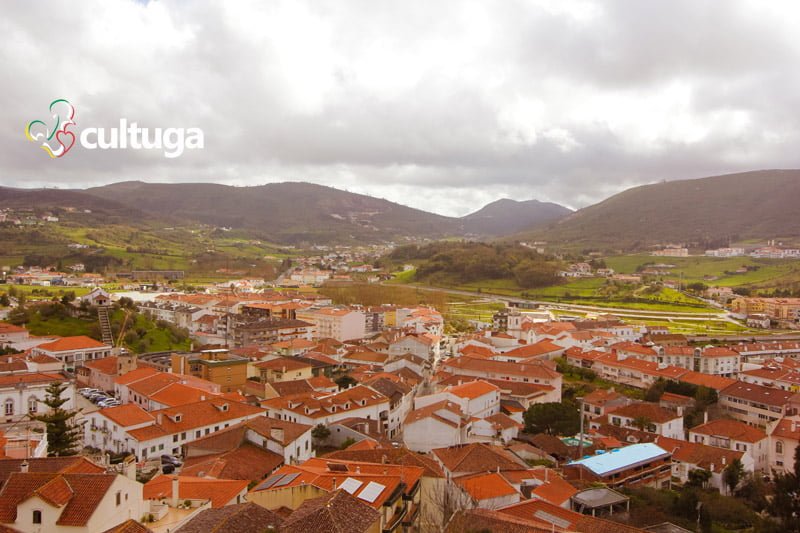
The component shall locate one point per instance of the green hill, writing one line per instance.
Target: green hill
(507, 216)
(704, 212)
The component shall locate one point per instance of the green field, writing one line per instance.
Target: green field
(695, 269)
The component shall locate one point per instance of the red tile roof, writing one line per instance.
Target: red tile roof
(473, 389)
(732, 429)
(485, 486)
(106, 365)
(127, 415)
(78, 342)
(219, 491)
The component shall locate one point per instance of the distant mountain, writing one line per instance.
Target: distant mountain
(704, 212)
(89, 207)
(283, 212)
(507, 216)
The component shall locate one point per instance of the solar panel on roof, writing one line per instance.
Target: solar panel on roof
(350, 485)
(371, 491)
(288, 478)
(267, 483)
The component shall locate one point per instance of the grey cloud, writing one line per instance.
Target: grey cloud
(443, 106)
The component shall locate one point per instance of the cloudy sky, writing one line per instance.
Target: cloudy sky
(440, 105)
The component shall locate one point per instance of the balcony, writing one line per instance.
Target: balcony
(396, 520)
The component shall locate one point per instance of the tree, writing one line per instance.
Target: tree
(63, 435)
(320, 432)
(642, 423)
(5, 301)
(699, 478)
(786, 502)
(345, 381)
(554, 418)
(733, 474)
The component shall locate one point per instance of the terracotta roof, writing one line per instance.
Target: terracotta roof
(434, 411)
(732, 429)
(247, 462)
(77, 494)
(127, 415)
(489, 520)
(706, 380)
(788, 428)
(477, 457)
(50, 465)
(703, 456)
(537, 349)
(282, 364)
(106, 365)
(540, 510)
(758, 393)
(652, 411)
(238, 518)
(135, 375)
(472, 390)
(179, 394)
(219, 491)
(31, 377)
(484, 486)
(129, 526)
(602, 396)
(78, 342)
(502, 421)
(488, 366)
(337, 512)
(395, 456)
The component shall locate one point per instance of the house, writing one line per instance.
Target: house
(237, 518)
(472, 458)
(100, 373)
(392, 490)
(11, 334)
(335, 511)
(784, 438)
(488, 490)
(219, 492)
(735, 435)
(499, 427)
(436, 425)
(649, 417)
(421, 345)
(644, 464)
(335, 322)
(490, 520)
(97, 297)
(600, 401)
(358, 401)
(131, 428)
(283, 369)
(754, 404)
(22, 393)
(552, 518)
(74, 351)
(530, 372)
(688, 456)
(475, 398)
(219, 366)
(51, 500)
(290, 441)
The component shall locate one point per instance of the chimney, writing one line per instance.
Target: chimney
(159, 418)
(24, 467)
(175, 491)
(334, 482)
(705, 417)
(724, 460)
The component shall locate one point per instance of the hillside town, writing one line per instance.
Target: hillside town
(293, 413)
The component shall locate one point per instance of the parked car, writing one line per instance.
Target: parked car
(170, 460)
(86, 392)
(168, 468)
(109, 403)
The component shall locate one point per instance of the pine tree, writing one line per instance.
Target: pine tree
(63, 435)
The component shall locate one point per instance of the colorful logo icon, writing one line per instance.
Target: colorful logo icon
(54, 138)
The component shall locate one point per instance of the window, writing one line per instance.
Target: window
(160, 446)
(37, 517)
(779, 447)
(9, 408)
(33, 404)
(119, 498)
(175, 438)
(197, 434)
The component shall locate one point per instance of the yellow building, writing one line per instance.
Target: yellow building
(217, 366)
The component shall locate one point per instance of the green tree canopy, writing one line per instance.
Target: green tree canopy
(556, 418)
(63, 435)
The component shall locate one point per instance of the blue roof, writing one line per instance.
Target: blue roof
(621, 458)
